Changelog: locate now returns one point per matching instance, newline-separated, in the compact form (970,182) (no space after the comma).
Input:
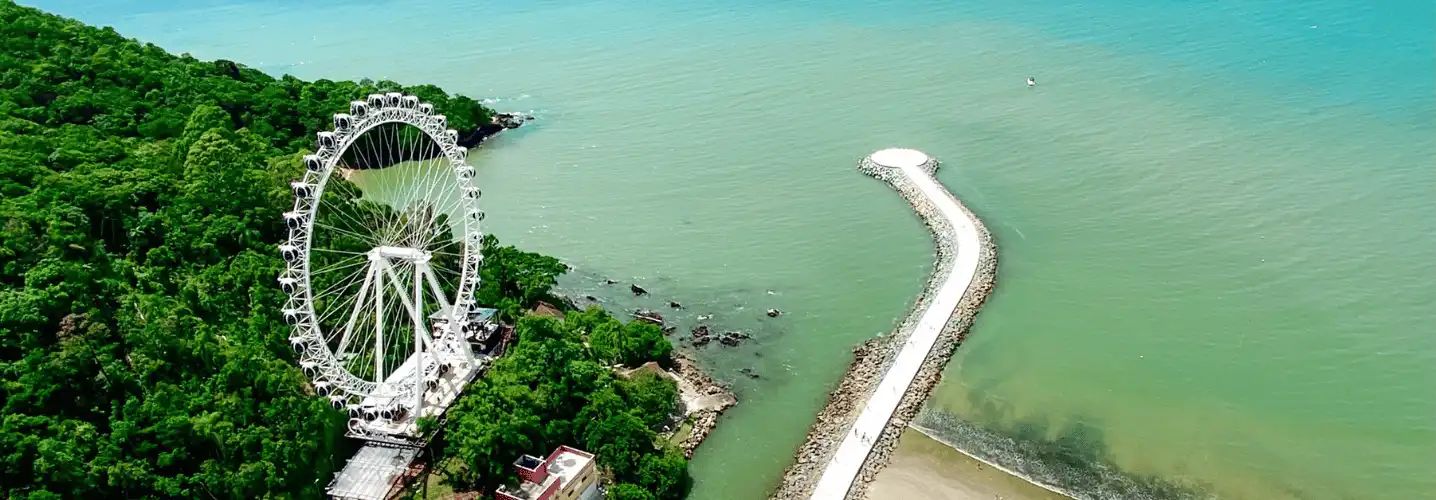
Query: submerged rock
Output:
(648,316)
(511,119)
(732,338)
(773,313)
(675,304)
(637,290)
(701,335)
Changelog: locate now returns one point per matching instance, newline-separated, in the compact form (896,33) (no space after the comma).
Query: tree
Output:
(513,276)
(607,342)
(665,474)
(619,440)
(555,384)
(628,491)
(632,344)
(644,342)
(653,397)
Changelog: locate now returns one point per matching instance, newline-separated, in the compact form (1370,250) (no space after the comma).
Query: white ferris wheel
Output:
(381,281)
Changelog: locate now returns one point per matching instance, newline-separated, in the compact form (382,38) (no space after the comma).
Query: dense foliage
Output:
(550,389)
(142,353)
(513,280)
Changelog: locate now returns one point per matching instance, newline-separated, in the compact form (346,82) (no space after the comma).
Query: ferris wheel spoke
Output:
(452,242)
(341,264)
(430,179)
(414,310)
(392,138)
(350,219)
(356,307)
(344,304)
(430,175)
(395,328)
(356,357)
(435,232)
(333,310)
(366,239)
(437,290)
(333,251)
(365,153)
(336,287)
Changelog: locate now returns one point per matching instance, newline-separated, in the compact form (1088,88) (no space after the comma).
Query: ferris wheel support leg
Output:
(453,323)
(358,307)
(438,291)
(419,332)
(379,319)
(413,313)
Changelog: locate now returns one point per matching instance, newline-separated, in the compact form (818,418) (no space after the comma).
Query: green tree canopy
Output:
(629,491)
(142,352)
(514,280)
(557,386)
(632,344)
(654,396)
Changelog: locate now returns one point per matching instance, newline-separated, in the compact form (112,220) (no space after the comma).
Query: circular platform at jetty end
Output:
(899,157)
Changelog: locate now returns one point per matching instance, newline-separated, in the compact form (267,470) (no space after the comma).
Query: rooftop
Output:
(529,462)
(568,463)
(564,465)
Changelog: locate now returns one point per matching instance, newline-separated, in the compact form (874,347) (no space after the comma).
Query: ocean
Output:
(1216,221)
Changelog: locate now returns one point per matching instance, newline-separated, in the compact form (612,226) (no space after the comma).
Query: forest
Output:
(142,349)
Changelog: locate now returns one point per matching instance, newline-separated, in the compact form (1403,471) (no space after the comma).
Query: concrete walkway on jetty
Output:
(838,476)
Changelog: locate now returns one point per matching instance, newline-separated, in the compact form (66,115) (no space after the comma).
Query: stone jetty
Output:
(891,376)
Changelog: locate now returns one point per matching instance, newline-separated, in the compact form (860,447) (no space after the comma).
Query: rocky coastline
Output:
(713,399)
(499,123)
(873,357)
(703,398)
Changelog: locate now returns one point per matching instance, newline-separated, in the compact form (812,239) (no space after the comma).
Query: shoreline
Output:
(873,358)
(501,121)
(927,468)
(701,400)
(929,434)
(719,399)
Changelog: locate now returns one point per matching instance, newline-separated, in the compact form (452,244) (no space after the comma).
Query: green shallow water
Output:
(1216,225)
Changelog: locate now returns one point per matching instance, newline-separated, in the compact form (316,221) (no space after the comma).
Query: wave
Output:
(1074,464)
(496,100)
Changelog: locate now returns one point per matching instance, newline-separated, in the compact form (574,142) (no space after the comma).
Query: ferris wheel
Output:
(383,262)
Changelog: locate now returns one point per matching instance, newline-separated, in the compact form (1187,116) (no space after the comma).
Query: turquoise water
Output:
(1216,220)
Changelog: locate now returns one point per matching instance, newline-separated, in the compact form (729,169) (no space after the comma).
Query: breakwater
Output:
(890,377)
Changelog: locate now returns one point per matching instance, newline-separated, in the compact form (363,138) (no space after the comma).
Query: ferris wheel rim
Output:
(316,356)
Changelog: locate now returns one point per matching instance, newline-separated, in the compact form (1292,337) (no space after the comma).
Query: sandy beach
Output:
(924,469)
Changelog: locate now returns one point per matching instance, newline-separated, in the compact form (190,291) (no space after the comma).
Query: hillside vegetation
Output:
(142,352)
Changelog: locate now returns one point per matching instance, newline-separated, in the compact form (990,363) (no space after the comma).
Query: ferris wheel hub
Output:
(402,253)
